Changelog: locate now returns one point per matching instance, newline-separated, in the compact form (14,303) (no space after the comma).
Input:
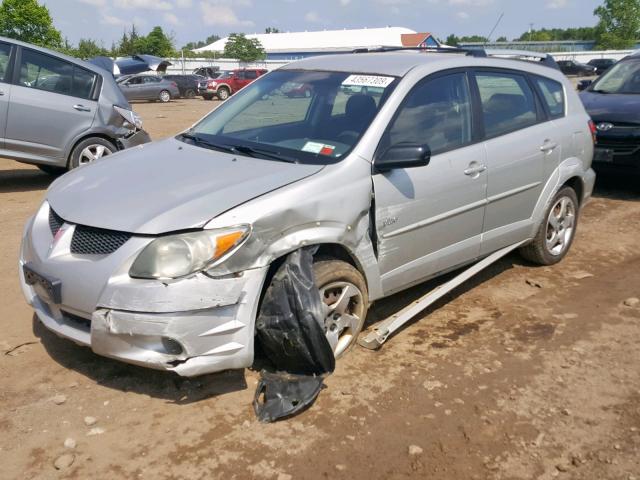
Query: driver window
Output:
(288,104)
(436,113)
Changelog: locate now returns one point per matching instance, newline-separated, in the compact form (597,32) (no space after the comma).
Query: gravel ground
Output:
(523,373)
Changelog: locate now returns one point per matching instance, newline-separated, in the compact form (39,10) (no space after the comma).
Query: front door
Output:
(51,104)
(429,219)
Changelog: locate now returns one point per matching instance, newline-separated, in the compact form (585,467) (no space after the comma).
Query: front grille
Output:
(619,148)
(97,241)
(55,222)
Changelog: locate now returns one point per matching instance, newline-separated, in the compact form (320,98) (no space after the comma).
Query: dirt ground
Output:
(523,373)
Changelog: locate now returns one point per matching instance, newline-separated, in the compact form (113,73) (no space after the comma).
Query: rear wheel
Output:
(557,230)
(223,93)
(190,93)
(344,293)
(89,150)
(165,96)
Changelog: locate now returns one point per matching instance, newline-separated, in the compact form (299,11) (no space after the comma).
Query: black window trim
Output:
(541,114)
(8,74)
(476,136)
(95,89)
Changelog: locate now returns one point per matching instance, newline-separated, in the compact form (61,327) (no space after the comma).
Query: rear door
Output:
(53,102)
(429,218)
(5,87)
(518,140)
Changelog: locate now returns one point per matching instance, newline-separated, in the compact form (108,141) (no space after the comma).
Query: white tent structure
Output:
(291,45)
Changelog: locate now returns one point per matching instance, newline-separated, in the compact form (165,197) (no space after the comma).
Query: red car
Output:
(230,82)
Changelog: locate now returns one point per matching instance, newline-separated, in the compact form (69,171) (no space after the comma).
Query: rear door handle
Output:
(82,108)
(548,146)
(475,170)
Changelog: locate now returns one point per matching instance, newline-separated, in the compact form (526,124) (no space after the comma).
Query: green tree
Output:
(244,49)
(201,43)
(29,21)
(619,24)
(88,48)
(271,30)
(156,43)
(452,40)
(502,39)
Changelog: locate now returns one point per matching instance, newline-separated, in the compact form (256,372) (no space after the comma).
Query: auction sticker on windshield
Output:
(321,148)
(367,81)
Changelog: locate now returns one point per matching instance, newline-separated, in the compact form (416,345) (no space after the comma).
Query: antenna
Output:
(494,28)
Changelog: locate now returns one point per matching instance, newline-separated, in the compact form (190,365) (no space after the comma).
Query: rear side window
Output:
(508,103)
(51,74)
(251,74)
(437,113)
(5,52)
(553,95)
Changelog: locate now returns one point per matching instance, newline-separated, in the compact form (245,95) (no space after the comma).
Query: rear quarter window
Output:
(552,95)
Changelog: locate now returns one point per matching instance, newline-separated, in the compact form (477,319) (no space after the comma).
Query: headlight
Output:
(175,256)
(131,117)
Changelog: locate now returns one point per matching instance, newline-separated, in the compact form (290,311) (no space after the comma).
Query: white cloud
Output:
(218,14)
(555,4)
(471,3)
(344,3)
(171,19)
(95,3)
(150,4)
(183,3)
(107,19)
(312,17)
(462,15)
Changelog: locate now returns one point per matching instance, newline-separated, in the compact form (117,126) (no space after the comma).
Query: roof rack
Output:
(542,58)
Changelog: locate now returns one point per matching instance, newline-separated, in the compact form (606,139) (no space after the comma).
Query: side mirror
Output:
(584,84)
(403,155)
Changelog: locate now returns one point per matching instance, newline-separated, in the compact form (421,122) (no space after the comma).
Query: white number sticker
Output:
(367,81)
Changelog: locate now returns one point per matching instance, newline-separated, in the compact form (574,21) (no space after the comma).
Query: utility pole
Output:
(530,31)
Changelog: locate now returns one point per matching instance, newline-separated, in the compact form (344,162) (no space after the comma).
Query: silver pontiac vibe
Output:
(399,166)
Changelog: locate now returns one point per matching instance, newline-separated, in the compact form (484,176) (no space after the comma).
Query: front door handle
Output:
(475,169)
(82,108)
(548,146)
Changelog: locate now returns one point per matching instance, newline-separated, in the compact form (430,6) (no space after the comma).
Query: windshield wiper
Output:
(252,152)
(206,143)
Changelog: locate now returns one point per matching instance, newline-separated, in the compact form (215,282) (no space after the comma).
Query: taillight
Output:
(593,129)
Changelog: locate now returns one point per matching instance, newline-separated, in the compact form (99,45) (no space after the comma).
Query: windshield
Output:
(623,77)
(302,116)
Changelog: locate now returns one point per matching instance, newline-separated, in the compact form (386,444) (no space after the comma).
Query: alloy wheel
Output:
(92,153)
(343,312)
(560,226)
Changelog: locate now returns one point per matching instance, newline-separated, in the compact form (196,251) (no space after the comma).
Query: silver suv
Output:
(446,159)
(60,112)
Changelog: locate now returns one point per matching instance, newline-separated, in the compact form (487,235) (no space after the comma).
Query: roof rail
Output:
(543,58)
(472,52)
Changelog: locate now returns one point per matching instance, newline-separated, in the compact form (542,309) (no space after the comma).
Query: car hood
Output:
(166,186)
(612,107)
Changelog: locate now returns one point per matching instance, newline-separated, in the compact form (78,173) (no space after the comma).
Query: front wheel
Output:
(344,293)
(207,96)
(223,94)
(165,96)
(557,230)
(190,93)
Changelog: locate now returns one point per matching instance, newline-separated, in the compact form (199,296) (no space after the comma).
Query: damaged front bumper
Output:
(191,326)
(139,137)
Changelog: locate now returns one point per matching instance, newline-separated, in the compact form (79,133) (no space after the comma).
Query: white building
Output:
(293,45)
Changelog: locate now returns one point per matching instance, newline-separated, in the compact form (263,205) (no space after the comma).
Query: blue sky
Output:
(196,19)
